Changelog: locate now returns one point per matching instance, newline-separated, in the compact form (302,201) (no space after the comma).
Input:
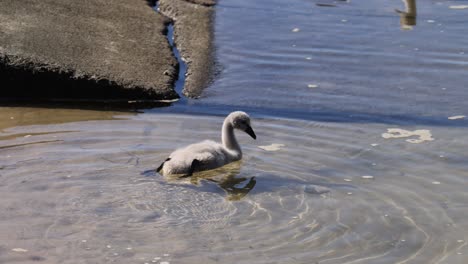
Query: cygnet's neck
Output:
(229,139)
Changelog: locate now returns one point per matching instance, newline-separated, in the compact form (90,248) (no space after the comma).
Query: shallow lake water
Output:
(360,155)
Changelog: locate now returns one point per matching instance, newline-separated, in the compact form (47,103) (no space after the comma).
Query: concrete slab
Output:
(193,34)
(84,50)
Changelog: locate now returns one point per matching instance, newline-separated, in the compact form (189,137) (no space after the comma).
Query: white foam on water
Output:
(456,117)
(458,7)
(272,147)
(423,135)
(19,250)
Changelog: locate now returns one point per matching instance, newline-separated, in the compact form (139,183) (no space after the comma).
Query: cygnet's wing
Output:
(210,154)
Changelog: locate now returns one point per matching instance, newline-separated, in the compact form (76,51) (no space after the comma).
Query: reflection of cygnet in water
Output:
(408,17)
(234,192)
(225,178)
(208,154)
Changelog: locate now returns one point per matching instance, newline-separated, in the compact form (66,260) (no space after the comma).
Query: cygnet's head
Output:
(241,120)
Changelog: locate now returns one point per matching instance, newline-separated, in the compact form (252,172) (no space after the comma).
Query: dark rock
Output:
(84,50)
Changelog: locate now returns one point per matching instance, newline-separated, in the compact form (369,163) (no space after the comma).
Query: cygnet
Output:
(207,155)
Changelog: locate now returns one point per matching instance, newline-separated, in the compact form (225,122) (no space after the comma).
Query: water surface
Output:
(360,156)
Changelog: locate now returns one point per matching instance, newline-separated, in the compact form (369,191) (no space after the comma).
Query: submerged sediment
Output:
(98,51)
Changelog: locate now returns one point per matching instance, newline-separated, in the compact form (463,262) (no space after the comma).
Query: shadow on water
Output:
(98,105)
(337,116)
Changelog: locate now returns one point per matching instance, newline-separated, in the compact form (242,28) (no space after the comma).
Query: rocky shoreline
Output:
(57,50)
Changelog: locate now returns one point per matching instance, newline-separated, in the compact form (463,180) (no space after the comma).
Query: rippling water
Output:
(89,194)
(356,159)
(356,54)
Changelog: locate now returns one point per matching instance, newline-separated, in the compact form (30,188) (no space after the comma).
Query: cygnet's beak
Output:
(251,133)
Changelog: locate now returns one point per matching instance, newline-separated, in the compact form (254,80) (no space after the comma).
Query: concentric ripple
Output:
(92,195)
